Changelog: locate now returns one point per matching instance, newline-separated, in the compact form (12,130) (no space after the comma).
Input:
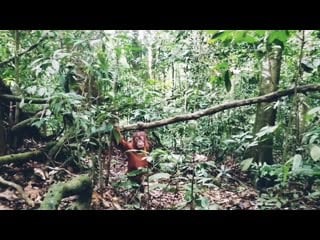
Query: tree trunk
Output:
(266,114)
(3,145)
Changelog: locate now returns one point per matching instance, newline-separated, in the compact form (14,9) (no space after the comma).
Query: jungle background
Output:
(232,116)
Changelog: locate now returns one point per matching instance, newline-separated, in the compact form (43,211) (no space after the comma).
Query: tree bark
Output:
(266,114)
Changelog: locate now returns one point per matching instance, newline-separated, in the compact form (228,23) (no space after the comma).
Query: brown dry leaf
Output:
(245,205)
(96,198)
(32,192)
(115,203)
(8,195)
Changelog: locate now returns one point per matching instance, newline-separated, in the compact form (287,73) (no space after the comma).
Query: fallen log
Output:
(22,157)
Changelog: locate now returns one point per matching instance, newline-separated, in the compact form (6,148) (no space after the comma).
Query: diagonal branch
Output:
(233,104)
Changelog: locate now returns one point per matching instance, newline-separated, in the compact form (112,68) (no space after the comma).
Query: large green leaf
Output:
(296,163)
(245,164)
(266,130)
(313,110)
(315,152)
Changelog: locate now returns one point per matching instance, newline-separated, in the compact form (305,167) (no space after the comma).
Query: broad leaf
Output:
(160,186)
(266,130)
(55,65)
(158,176)
(315,152)
(245,164)
(296,163)
(313,110)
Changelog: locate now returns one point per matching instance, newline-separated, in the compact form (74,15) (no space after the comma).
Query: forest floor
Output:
(35,178)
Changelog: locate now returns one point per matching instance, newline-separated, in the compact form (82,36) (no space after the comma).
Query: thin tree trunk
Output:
(266,114)
(17,111)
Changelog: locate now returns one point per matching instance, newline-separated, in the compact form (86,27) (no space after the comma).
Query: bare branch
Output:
(233,104)
(26,99)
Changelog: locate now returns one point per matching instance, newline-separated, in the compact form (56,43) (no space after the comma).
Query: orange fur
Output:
(136,155)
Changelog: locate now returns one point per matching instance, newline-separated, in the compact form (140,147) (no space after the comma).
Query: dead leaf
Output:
(42,174)
(32,192)
(8,195)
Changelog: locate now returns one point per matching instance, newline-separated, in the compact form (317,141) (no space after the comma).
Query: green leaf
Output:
(297,163)
(315,152)
(102,57)
(31,90)
(22,103)
(211,31)
(203,202)
(158,176)
(260,33)
(313,110)
(41,91)
(160,186)
(281,36)
(213,79)
(229,141)
(266,130)
(243,36)
(116,135)
(313,138)
(55,65)
(245,164)
(314,195)
(137,172)
(218,34)
(227,81)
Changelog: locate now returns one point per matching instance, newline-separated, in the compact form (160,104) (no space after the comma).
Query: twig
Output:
(19,189)
(61,169)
